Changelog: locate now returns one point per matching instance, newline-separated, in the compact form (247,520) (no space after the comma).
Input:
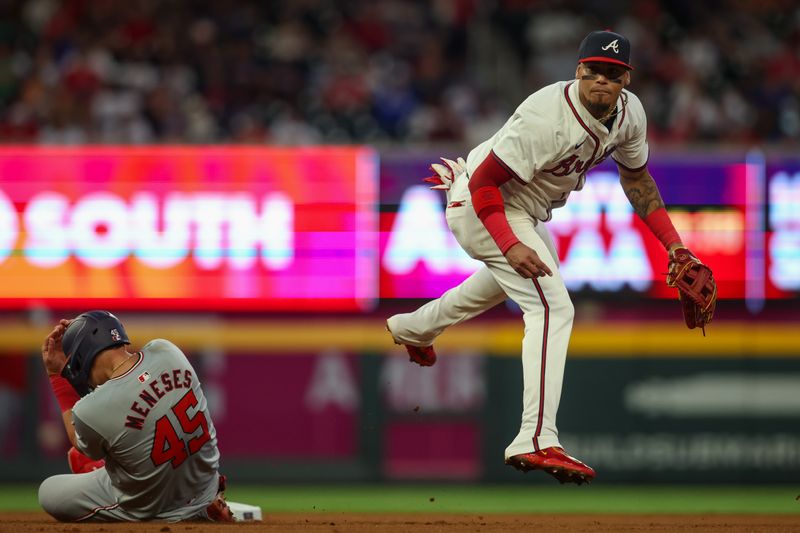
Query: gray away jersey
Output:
(152,427)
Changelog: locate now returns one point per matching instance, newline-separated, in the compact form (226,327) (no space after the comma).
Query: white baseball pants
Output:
(547,312)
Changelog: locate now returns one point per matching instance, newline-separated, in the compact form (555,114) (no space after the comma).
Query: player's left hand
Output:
(697,289)
(53,355)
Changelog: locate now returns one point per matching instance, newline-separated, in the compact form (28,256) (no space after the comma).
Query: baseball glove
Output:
(697,289)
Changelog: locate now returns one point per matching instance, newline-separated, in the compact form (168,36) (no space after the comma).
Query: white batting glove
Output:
(446,173)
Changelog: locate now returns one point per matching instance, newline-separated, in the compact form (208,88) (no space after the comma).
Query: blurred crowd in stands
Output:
(380,71)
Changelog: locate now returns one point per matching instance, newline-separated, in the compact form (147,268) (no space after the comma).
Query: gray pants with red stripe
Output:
(547,312)
(91,497)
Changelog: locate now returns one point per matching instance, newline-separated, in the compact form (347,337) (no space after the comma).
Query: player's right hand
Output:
(526,262)
(53,355)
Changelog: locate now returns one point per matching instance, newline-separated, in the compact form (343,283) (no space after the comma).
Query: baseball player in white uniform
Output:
(144,445)
(497,203)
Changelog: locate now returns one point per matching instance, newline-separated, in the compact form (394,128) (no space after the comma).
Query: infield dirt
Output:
(444,523)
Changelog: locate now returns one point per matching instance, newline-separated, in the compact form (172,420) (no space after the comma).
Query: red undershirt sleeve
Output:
(660,224)
(65,394)
(484,188)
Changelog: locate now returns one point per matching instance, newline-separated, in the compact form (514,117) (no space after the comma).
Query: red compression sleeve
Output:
(660,224)
(488,202)
(65,394)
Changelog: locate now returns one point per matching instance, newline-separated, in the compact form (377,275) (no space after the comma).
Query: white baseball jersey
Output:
(551,141)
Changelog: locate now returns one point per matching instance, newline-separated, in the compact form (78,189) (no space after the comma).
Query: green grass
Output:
(490,498)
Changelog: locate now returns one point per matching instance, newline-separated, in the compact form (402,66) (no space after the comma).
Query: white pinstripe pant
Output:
(547,312)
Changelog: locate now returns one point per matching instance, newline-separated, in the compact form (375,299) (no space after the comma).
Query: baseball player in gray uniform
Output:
(139,425)
(497,203)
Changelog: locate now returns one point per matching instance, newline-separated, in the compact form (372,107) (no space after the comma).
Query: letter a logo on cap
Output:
(605,47)
(613,45)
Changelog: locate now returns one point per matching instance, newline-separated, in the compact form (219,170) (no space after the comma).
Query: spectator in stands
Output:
(376,71)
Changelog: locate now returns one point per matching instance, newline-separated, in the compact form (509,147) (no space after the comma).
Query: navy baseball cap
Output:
(605,47)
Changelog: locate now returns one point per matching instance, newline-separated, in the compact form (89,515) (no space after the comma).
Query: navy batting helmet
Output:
(87,336)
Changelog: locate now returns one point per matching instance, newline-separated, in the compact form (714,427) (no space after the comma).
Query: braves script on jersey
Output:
(153,428)
(549,144)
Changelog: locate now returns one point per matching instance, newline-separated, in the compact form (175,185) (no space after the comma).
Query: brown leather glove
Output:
(697,289)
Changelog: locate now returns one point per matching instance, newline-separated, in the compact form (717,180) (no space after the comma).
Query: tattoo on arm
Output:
(643,194)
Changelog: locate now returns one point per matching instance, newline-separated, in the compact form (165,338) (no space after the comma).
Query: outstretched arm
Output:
(641,190)
(642,193)
(695,282)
